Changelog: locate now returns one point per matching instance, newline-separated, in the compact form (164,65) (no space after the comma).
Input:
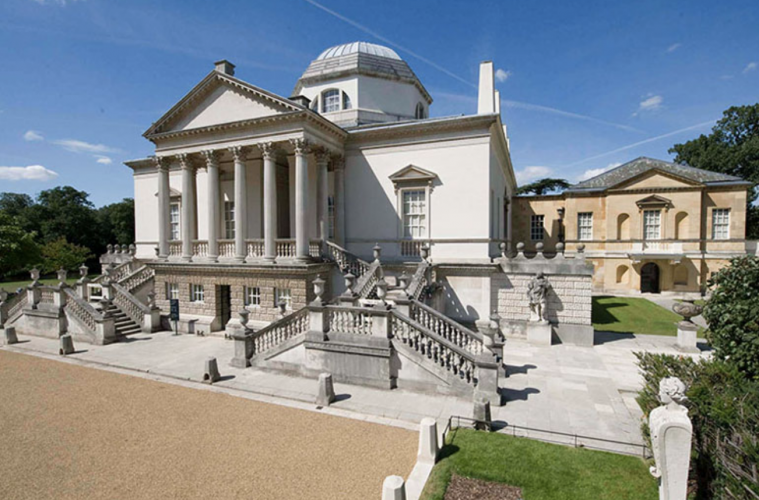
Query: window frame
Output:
(197,290)
(229,223)
(646,226)
(722,225)
(588,216)
(252,297)
(172,291)
(175,223)
(419,111)
(288,297)
(422,215)
(330,98)
(537,227)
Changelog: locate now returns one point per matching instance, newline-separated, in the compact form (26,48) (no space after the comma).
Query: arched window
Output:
(330,101)
(346,101)
(419,112)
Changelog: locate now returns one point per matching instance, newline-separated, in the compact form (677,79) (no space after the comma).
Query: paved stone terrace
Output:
(575,390)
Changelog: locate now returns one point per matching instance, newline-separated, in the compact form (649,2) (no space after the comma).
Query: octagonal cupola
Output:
(362,83)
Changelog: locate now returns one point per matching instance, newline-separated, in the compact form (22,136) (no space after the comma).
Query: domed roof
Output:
(361,48)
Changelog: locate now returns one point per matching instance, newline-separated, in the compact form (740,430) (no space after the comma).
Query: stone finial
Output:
(35,274)
(377,251)
(520,249)
(211,372)
(125,248)
(244,317)
(502,246)
(403,280)
(61,273)
(117,248)
(319,287)
(428,446)
(672,391)
(109,248)
(539,248)
(424,252)
(132,249)
(326,394)
(581,248)
(393,488)
(83,271)
(67,345)
(350,280)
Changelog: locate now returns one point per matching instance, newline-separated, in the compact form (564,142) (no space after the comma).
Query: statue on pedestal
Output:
(536,293)
(671,435)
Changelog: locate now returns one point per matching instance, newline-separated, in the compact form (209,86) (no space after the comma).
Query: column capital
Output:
(338,162)
(268,149)
(211,156)
(186,161)
(161,163)
(238,153)
(322,155)
(301,146)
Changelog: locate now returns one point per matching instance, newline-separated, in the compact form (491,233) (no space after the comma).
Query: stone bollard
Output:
(67,345)
(428,447)
(8,336)
(326,390)
(393,488)
(211,373)
(481,415)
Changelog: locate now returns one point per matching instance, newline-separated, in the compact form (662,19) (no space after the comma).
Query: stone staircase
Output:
(123,324)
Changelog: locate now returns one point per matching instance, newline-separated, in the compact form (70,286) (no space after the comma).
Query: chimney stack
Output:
(225,67)
(486,95)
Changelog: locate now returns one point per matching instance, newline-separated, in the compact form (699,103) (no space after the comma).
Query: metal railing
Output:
(554,437)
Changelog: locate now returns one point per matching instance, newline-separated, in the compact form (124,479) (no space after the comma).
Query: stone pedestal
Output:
(539,333)
(67,345)
(393,488)
(8,336)
(487,385)
(482,415)
(243,346)
(428,446)
(687,334)
(211,372)
(326,390)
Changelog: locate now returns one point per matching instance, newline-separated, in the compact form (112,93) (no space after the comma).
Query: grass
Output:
(544,471)
(634,315)
(11,286)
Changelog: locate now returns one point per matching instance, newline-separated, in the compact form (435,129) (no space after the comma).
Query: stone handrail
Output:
(138,278)
(14,306)
(455,333)
(346,261)
(350,319)
(129,304)
(452,358)
(367,282)
(278,332)
(118,272)
(418,281)
(82,310)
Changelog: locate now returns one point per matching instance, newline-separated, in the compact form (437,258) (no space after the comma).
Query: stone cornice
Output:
(245,269)
(421,128)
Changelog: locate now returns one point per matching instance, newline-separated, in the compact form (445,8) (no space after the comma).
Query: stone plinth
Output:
(326,394)
(393,488)
(687,334)
(481,415)
(211,372)
(539,333)
(67,345)
(8,336)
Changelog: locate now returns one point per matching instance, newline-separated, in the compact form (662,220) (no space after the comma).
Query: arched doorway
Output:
(649,278)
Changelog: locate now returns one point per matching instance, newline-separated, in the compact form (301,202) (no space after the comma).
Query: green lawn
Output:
(633,315)
(11,286)
(544,471)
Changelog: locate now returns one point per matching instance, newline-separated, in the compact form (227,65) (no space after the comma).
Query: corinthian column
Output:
(301,147)
(212,166)
(339,163)
(188,205)
(268,152)
(322,192)
(164,207)
(241,203)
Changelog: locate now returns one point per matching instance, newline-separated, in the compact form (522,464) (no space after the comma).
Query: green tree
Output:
(732,148)
(18,251)
(732,313)
(543,186)
(18,206)
(64,212)
(60,254)
(116,222)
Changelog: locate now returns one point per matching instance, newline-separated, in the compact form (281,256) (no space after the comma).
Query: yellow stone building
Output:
(647,226)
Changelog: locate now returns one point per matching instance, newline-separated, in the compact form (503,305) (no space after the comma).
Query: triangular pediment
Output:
(412,173)
(654,201)
(656,178)
(220,99)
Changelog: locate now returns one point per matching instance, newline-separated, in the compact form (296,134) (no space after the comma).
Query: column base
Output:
(186,258)
(239,260)
(270,260)
(213,258)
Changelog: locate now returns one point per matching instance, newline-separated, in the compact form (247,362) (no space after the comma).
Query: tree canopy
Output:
(543,186)
(731,148)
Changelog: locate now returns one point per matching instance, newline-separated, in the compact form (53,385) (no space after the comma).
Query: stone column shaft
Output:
(188,206)
(340,201)
(301,198)
(270,201)
(241,203)
(212,166)
(164,207)
(322,195)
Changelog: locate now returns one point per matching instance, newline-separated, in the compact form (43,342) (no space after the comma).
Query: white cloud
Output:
(650,103)
(77,146)
(103,160)
(529,174)
(33,135)
(502,75)
(750,67)
(592,172)
(674,47)
(30,173)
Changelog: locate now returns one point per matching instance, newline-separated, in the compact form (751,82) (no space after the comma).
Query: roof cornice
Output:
(421,128)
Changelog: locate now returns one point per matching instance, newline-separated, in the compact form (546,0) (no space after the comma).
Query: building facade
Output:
(648,226)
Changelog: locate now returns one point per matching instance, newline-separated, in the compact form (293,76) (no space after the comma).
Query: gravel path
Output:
(72,432)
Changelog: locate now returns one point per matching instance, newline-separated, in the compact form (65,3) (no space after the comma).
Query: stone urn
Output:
(687,309)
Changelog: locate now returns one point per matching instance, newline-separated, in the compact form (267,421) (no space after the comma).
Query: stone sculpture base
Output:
(539,333)
(8,336)
(687,334)
(326,394)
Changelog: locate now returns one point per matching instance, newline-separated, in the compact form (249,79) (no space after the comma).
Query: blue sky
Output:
(585,85)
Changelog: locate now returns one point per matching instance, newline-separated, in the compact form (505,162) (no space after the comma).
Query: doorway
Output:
(649,278)
(225,304)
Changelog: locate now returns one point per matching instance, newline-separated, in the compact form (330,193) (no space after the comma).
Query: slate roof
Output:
(642,165)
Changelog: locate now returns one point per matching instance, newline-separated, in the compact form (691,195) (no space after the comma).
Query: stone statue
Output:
(536,293)
(671,435)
